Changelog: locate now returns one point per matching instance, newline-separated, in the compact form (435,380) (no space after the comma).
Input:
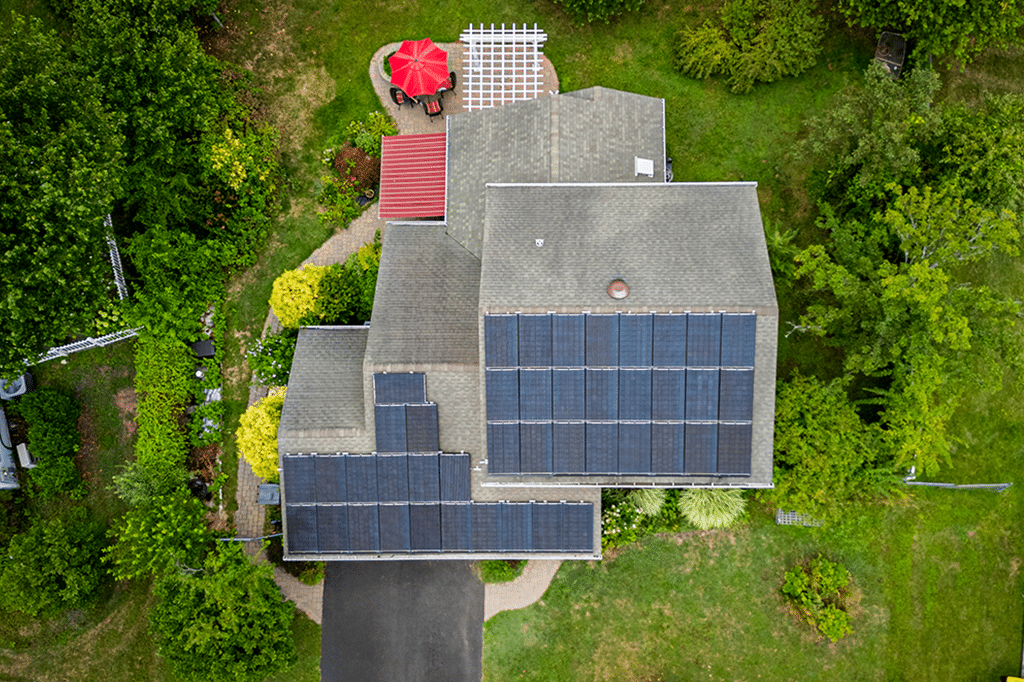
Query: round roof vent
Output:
(618,289)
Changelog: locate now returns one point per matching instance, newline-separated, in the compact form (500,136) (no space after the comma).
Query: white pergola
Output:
(502,65)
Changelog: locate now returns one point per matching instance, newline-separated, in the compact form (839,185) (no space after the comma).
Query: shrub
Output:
(706,508)
(294,294)
(367,133)
(648,500)
(53,439)
(623,522)
(257,435)
(142,485)
(820,591)
(270,358)
(599,10)
(312,572)
(347,291)
(501,571)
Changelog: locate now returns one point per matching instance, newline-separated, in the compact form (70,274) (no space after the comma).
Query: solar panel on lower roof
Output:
(567,347)
(577,528)
(390,427)
(302,532)
(636,340)
(669,340)
(534,340)
(394,527)
(602,340)
(534,394)
(634,394)
(568,445)
(602,448)
(739,334)
(734,441)
(332,528)
(736,395)
(393,478)
(501,341)
(700,446)
(454,478)
(486,527)
(425,527)
(421,428)
(701,394)
(668,394)
(602,387)
(568,394)
(634,448)
(363,528)
(535,448)
(502,395)
(424,478)
(299,479)
(704,340)
(667,448)
(502,448)
(516,527)
(330,478)
(405,387)
(547,526)
(456,527)
(361,474)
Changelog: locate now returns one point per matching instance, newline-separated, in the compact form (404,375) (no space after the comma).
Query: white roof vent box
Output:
(643,166)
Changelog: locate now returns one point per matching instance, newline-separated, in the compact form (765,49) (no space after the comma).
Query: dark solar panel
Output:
(567,394)
(425,527)
(454,478)
(393,478)
(634,394)
(535,453)
(667,448)
(502,448)
(456,527)
(602,448)
(547,526)
(421,428)
(299,479)
(332,528)
(736,395)
(516,527)
(361,472)
(390,428)
(602,394)
(534,394)
(399,388)
(363,528)
(424,478)
(703,340)
(738,340)
(302,533)
(734,442)
(701,394)
(577,528)
(330,478)
(486,527)
(670,340)
(634,448)
(602,339)
(534,340)
(501,341)
(668,394)
(394,527)
(568,444)
(502,395)
(567,341)
(636,340)
(701,442)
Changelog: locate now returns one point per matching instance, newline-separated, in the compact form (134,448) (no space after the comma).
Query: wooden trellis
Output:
(502,65)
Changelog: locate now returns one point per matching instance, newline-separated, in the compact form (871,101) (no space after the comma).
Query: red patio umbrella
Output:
(418,67)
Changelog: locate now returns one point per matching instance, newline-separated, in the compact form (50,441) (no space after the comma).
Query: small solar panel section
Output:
(503,448)
(394,527)
(602,340)
(392,478)
(547,526)
(299,479)
(397,389)
(602,448)
(700,444)
(486,527)
(634,394)
(667,442)
(421,428)
(501,341)
(536,448)
(456,527)
(363,528)
(534,340)
(736,395)
(534,394)
(668,394)
(734,448)
(577,528)
(332,528)
(516,526)
(669,341)
(739,333)
(567,347)
(701,394)
(302,529)
(568,448)
(502,395)
(568,394)
(361,472)
(424,478)
(425,527)
(635,448)
(390,427)
(330,478)
(636,340)
(602,387)
(454,478)
(703,340)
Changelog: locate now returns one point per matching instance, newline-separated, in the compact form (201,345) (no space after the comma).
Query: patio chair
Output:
(433,108)
(400,98)
(448,84)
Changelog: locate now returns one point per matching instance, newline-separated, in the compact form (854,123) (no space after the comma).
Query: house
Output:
(571,322)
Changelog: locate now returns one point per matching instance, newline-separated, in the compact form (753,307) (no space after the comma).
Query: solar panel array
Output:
(657,394)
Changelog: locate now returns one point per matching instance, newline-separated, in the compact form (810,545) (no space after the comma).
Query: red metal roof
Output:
(412,176)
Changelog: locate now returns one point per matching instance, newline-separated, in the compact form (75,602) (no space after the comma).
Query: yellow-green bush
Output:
(257,435)
(295,292)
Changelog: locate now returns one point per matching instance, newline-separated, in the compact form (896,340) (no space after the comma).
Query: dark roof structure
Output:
(574,322)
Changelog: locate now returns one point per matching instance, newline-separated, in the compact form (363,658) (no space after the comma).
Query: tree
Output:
(257,435)
(226,621)
(54,565)
(61,155)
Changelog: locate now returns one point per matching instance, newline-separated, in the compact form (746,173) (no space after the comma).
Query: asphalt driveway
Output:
(401,621)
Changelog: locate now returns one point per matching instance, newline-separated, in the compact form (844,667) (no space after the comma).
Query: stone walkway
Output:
(521,592)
